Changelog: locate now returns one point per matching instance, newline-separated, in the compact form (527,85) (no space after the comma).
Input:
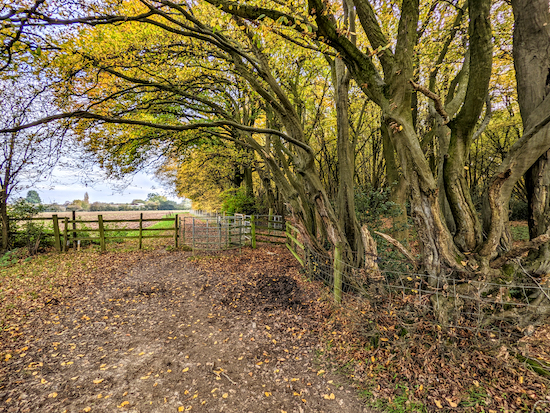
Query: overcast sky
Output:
(65,185)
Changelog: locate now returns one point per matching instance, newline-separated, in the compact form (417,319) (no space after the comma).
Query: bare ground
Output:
(168,333)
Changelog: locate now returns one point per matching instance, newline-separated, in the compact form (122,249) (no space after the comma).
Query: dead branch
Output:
(519,250)
(439,107)
(400,247)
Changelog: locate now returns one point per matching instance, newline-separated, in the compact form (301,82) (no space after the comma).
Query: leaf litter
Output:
(160,331)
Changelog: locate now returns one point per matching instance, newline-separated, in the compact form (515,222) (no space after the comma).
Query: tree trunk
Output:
(5,221)
(345,204)
(532,63)
(468,233)
(398,185)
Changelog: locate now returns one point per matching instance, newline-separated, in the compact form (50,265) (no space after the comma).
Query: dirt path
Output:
(168,334)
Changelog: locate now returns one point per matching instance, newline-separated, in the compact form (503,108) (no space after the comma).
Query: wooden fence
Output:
(70,231)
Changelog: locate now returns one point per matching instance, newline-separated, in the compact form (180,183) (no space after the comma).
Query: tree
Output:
(429,78)
(33,197)
(26,156)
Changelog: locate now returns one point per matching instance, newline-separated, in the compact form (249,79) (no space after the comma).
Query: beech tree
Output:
(165,68)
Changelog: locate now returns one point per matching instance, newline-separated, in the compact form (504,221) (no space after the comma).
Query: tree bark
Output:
(468,233)
(532,63)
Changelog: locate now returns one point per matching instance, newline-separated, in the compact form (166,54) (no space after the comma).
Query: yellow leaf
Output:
(225,395)
(144,377)
(180,409)
(451,403)
(438,404)
(141,354)
(43,381)
(267,394)
(98,381)
(185,369)
(320,372)
(520,379)
(124,403)
(372,359)
(52,395)
(330,396)
(87,409)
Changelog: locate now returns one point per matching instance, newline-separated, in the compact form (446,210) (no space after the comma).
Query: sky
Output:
(65,185)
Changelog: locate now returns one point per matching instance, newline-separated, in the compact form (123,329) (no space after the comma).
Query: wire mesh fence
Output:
(392,299)
(456,302)
(216,232)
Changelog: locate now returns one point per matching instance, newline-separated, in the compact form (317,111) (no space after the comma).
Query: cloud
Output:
(65,185)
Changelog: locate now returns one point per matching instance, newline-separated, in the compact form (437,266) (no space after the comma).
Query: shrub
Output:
(26,233)
(519,210)
(237,201)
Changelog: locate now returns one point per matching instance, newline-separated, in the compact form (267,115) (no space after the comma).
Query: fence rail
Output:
(70,231)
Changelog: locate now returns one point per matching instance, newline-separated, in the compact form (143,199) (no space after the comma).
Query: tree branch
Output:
(439,107)
(176,128)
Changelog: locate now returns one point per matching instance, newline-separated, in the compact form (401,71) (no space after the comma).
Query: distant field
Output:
(115,215)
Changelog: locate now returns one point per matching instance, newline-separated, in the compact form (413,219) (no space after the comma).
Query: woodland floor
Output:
(162,331)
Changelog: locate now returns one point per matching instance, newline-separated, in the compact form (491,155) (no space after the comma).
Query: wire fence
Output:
(457,302)
(212,231)
(391,299)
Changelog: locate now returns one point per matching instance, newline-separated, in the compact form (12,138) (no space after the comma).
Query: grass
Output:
(519,232)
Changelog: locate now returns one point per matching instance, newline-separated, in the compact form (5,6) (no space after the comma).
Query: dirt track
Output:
(168,334)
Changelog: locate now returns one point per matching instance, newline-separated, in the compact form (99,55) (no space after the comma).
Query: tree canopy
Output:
(310,103)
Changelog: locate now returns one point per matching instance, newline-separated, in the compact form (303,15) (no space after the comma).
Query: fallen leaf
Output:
(87,409)
(320,372)
(330,396)
(225,395)
(438,404)
(52,395)
(185,369)
(98,381)
(451,402)
(181,408)
(124,403)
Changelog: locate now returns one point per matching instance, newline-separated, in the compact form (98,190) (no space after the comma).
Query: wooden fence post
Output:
(74,228)
(253,231)
(229,232)
(338,271)
(56,233)
(141,230)
(176,228)
(193,234)
(183,229)
(101,232)
(65,233)
(269,218)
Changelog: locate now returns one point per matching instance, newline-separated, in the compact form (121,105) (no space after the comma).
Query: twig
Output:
(533,278)
(539,401)
(227,377)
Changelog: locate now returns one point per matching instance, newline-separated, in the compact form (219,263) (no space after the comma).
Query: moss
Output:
(507,272)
